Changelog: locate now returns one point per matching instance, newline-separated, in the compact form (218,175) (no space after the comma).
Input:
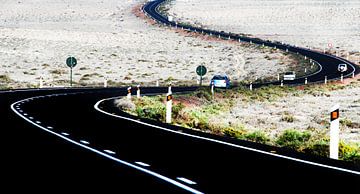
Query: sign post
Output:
(334,132)
(71,62)
(201,71)
(168,107)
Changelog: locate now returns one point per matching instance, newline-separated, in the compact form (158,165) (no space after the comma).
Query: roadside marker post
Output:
(353,75)
(287,50)
(157,83)
(251,86)
(342,78)
(306,81)
(129,93)
(305,69)
(278,77)
(325,79)
(105,82)
(212,89)
(169,89)
(334,132)
(138,91)
(41,82)
(282,83)
(168,107)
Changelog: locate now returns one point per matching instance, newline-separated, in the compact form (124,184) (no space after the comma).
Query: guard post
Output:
(334,132)
(168,107)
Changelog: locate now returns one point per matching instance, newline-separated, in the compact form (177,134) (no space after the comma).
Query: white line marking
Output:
(38,122)
(142,164)
(25,114)
(31,118)
(164,178)
(185,180)
(66,134)
(50,127)
(96,106)
(110,152)
(84,142)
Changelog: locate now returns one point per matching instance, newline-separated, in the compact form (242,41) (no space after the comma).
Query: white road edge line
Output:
(110,152)
(185,180)
(96,106)
(84,142)
(162,177)
(142,164)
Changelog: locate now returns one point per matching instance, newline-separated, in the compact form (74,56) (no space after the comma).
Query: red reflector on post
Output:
(334,115)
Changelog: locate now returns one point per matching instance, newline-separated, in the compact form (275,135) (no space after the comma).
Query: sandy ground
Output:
(309,111)
(308,23)
(109,41)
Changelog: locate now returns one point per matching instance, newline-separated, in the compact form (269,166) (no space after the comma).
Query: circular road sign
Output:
(330,45)
(201,70)
(71,62)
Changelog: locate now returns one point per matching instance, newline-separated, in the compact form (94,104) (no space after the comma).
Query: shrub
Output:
(293,139)
(346,122)
(320,148)
(176,110)
(258,137)
(349,152)
(287,117)
(125,104)
(232,132)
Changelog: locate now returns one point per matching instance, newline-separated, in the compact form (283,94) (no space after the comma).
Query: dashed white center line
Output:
(49,127)
(25,114)
(31,118)
(84,142)
(66,134)
(109,151)
(142,164)
(38,122)
(185,180)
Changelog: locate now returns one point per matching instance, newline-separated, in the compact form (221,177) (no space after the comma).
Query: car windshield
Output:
(219,77)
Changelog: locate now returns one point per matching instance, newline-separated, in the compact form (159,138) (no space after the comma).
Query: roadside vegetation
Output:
(198,110)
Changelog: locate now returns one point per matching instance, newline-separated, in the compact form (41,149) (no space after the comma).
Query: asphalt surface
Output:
(63,142)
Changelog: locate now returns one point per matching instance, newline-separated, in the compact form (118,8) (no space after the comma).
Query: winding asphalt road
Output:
(75,139)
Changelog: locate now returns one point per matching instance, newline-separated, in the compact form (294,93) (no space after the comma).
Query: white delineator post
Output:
(157,83)
(250,85)
(278,77)
(282,83)
(169,90)
(334,132)
(129,93)
(306,81)
(305,69)
(168,107)
(325,79)
(353,75)
(212,89)
(41,84)
(342,78)
(105,82)
(138,91)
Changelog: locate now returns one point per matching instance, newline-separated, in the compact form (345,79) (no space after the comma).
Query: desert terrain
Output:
(333,25)
(110,41)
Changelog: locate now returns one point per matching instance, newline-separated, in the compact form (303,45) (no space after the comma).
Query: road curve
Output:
(57,138)
(327,62)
